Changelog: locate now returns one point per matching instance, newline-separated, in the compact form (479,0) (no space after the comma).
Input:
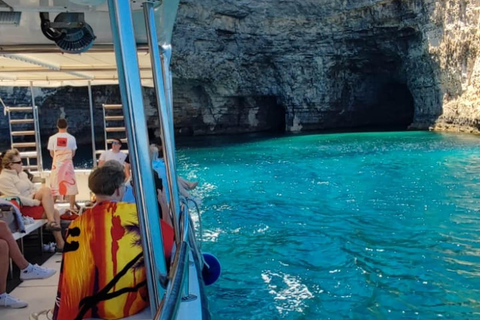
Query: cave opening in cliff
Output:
(382,103)
(275,114)
(395,106)
(374,92)
(377,96)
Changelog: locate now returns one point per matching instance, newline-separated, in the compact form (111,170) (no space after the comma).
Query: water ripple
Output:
(342,226)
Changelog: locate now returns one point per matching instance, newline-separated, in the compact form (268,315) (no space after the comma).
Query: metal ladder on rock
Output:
(25,135)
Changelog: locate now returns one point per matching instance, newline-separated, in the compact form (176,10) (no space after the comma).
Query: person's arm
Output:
(102,159)
(74,146)
(50,147)
(127,171)
(162,200)
(8,188)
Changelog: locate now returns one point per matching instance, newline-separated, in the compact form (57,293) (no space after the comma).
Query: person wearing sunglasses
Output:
(14,182)
(116,154)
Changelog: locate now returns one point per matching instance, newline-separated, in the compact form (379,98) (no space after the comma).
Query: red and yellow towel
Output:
(102,273)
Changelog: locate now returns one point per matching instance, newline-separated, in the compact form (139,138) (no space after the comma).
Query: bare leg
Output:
(57,234)
(162,200)
(188,185)
(73,204)
(45,196)
(3,266)
(183,191)
(52,214)
(59,239)
(13,249)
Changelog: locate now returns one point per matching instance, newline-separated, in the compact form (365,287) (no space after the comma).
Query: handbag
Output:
(8,215)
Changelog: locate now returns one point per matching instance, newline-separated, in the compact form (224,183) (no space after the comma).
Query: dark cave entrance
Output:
(376,99)
(375,93)
(395,107)
(275,116)
(270,116)
(385,104)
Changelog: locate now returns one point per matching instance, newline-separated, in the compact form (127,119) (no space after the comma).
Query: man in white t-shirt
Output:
(62,146)
(117,155)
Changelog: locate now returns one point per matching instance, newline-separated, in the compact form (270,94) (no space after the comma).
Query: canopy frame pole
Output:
(36,126)
(92,125)
(132,100)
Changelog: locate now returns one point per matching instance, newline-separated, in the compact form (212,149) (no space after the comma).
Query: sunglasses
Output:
(115,142)
(16,162)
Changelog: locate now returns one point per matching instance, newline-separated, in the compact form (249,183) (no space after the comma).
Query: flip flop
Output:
(52,226)
(42,315)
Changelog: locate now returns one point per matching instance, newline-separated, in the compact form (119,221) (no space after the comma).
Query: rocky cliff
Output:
(246,66)
(323,64)
(455,47)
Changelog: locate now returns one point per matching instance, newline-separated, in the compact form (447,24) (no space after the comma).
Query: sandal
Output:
(42,315)
(52,226)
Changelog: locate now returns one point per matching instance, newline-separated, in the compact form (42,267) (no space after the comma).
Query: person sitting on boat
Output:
(14,182)
(9,250)
(158,164)
(102,273)
(62,147)
(115,154)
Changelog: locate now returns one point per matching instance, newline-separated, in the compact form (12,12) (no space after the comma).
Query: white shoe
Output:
(26,220)
(36,272)
(8,301)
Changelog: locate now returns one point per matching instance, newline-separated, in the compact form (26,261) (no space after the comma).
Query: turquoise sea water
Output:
(341,226)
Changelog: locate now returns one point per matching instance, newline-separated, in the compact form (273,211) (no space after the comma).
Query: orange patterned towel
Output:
(102,273)
(62,179)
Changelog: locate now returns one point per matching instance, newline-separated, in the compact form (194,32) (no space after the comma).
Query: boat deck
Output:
(40,295)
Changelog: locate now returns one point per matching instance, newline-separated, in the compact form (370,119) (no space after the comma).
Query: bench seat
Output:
(29,228)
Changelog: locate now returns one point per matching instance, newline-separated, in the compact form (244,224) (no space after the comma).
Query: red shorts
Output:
(168,238)
(35,212)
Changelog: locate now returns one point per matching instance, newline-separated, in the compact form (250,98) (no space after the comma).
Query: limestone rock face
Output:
(325,64)
(456,50)
(273,65)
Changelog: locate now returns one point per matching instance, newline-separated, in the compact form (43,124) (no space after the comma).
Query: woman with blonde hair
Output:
(14,182)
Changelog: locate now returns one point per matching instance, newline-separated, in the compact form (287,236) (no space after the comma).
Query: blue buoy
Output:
(212,272)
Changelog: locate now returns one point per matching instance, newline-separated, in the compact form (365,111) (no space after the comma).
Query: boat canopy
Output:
(62,69)
(29,58)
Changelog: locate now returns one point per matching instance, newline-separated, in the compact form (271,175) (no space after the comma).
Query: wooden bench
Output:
(29,228)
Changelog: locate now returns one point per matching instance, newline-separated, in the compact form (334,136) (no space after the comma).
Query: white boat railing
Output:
(164,114)
(132,100)
(177,281)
